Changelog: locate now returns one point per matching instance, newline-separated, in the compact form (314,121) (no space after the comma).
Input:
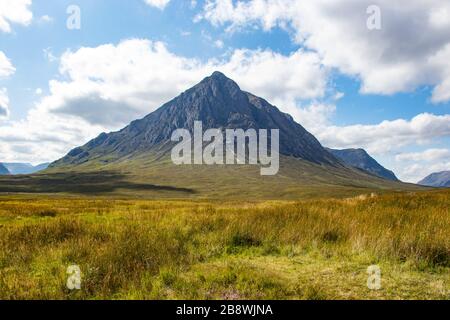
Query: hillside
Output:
(3,170)
(438,179)
(24,168)
(218,102)
(136,160)
(359,158)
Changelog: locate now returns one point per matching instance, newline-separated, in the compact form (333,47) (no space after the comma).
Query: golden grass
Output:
(139,249)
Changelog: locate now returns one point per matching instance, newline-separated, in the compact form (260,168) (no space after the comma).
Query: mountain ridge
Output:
(359,158)
(24,168)
(3,170)
(218,102)
(137,159)
(437,179)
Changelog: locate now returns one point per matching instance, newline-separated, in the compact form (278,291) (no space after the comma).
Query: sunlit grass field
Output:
(206,249)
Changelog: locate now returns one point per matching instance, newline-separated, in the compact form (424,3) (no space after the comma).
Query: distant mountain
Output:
(25,168)
(438,179)
(41,166)
(3,170)
(359,158)
(137,158)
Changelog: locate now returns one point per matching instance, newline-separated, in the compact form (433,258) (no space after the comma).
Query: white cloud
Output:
(6,67)
(112,79)
(45,19)
(123,82)
(315,117)
(280,79)
(14,12)
(106,87)
(219,44)
(160,4)
(414,166)
(384,139)
(387,135)
(41,137)
(4,103)
(338,96)
(410,50)
(6,70)
(441,61)
(416,172)
(429,155)
(440,16)
(48,54)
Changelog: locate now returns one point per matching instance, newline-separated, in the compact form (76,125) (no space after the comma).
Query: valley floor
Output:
(199,249)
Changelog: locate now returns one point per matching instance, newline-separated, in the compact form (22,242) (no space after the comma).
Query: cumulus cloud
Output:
(45,19)
(219,44)
(384,141)
(6,67)
(410,50)
(4,103)
(14,12)
(315,117)
(160,4)
(279,78)
(105,87)
(111,85)
(388,135)
(414,166)
(441,61)
(42,137)
(417,171)
(427,155)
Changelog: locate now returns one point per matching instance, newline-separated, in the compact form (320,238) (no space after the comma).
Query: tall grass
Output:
(131,248)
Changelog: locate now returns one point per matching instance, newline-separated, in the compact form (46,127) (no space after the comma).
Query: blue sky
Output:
(389,95)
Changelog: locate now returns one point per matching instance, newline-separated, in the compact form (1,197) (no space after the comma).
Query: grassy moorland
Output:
(206,249)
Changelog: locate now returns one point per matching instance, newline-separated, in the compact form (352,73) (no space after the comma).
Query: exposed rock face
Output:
(359,158)
(218,102)
(438,179)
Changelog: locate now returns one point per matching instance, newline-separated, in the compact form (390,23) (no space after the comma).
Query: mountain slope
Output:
(438,179)
(136,160)
(359,158)
(219,103)
(3,170)
(25,168)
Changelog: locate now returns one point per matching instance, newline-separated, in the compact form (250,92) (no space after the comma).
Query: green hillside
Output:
(154,176)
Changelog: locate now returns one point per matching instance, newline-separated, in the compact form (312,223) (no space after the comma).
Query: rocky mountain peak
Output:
(217,102)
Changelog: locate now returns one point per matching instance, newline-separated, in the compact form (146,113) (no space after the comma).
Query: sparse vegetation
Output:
(199,249)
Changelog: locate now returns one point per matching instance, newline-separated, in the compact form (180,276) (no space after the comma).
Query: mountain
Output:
(3,170)
(218,102)
(41,166)
(359,158)
(25,168)
(136,160)
(438,179)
